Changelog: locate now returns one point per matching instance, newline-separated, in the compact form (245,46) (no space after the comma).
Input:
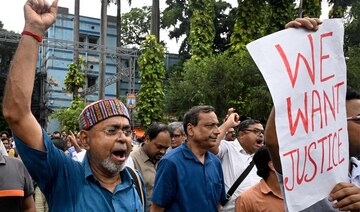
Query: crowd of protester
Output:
(196,164)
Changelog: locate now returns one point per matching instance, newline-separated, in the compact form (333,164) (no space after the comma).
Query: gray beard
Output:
(111,166)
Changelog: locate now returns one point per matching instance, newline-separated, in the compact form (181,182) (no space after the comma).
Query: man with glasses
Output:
(235,156)
(230,135)
(178,134)
(100,182)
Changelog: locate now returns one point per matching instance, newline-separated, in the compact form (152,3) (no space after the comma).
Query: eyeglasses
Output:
(177,135)
(354,118)
(257,132)
(112,131)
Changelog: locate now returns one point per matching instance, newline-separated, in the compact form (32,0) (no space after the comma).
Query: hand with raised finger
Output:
(347,196)
(308,23)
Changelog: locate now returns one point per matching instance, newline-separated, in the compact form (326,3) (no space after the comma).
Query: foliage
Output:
(176,19)
(281,12)
(75,78)
(223,81)
(135,26)
(312,8)
(251,23)
(68,117)
(353,67)
(352,46)
(202,32)
(352,28)
(152,74)
(339,7)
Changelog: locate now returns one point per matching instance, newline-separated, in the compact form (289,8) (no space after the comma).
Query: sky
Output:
(11,14)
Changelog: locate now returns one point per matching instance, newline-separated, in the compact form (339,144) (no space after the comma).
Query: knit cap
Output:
(101,110)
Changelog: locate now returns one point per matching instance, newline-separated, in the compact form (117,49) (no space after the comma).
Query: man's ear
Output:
(147,139)
(84,139)
(190,129)
(240,134)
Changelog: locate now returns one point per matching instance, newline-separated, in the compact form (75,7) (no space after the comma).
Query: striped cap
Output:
(101,110)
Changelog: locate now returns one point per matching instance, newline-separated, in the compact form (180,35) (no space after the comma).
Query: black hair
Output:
(351,93)
(246,123)
(261,160)
(4,139)
(192,115)
(155,128)
(4,132)
(59,143)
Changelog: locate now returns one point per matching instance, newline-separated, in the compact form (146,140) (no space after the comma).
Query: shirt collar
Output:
(188,154)
(265,189)
(86,165)
(2,159)
(143,156)
(239,147)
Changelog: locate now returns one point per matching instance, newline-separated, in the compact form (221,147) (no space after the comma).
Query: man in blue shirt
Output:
(190,178)
(100,183)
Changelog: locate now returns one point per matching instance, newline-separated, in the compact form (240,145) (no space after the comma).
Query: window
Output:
(91,80)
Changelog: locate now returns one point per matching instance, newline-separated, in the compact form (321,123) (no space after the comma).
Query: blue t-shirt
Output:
(70,186)
(183,183)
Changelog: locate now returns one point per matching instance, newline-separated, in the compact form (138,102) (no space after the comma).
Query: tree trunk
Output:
(118,45)
(155,19)
(102,62)
(76,40)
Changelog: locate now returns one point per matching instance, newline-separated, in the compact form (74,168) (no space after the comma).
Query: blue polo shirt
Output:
(183,183)
(71,186)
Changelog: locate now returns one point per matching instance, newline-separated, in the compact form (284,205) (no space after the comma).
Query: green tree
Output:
(176,19)
(74,80)
(281,11)
(252,22)
(312,8)
(339,7)
(224,80)
(352,46)
(135,26)
(68,117)
(202,31)
(152,74)
(75,77)
(352,27)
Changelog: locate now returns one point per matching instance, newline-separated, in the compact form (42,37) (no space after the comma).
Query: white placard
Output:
(306,75)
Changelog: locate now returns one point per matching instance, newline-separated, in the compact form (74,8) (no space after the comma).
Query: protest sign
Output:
(306,75)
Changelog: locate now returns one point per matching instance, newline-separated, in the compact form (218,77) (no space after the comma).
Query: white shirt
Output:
(234,161)
(79,156)
(3,149)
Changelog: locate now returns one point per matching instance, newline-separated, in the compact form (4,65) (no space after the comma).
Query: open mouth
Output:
(259,141)
(119,155)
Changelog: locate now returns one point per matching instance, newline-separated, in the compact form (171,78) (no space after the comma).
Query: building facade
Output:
(121,75)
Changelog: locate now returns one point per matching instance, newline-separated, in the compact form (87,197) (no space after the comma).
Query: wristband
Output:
(37,37)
